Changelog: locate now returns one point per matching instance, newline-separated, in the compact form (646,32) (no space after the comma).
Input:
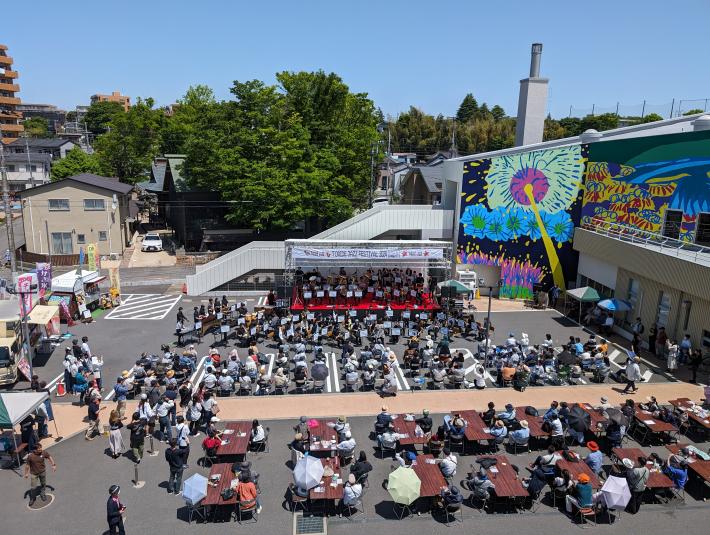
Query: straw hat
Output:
(328,472)
(170,373)
(124,374)
(499,423)
(524,423)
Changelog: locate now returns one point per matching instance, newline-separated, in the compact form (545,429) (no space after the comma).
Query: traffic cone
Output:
(184,287)
(61,391)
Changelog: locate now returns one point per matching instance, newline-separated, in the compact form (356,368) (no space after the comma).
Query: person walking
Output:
(182,435)
(162,411)
(633,374)
(115,439)
(37,468)
(114,512)
(120,392)
(137,427)
(93,413)
(174,457)
(696,358)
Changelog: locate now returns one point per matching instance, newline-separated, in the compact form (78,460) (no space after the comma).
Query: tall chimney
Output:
(532,102)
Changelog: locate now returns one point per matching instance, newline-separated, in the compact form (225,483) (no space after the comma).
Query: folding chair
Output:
(358,507)
(456,443)
(247,506)
(195,509)
(296,501)
(402,508)
(450,512)
(586,514)
(525,446)
(262,445)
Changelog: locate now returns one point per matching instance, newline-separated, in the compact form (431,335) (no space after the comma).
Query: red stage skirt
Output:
(366,302)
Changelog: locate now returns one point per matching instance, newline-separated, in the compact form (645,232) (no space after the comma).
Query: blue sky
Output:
(427,54)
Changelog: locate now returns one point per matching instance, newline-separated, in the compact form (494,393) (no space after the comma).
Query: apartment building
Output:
(115,96)
(10,117)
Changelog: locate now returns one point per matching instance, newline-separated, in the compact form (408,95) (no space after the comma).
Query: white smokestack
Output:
(532,102)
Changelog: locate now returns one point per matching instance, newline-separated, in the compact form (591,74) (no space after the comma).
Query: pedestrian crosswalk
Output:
(143,307)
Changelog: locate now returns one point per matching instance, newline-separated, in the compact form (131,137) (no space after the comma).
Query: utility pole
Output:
(29,161)
(8,211)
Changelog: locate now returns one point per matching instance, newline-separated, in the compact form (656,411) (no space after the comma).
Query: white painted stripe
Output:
(327,380)
(131,315)
(582,381)
(336,379)
(141,299)
(198,368)
(113,392)
(405,383)
(612,358)
(124,313)
(272,358)
(54,382)
(647,376)
(137,305)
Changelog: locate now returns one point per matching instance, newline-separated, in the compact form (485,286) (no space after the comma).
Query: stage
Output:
(366,302)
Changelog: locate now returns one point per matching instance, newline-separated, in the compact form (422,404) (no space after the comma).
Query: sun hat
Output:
(214,419)
(348,435)
(628,463)
(170,373)
(499,423)
(593,446)
(298,436)
(351,479)
(124,373)
(524,423)
(144,396)
(342,419)
(583,478)
(604,399)
(384,408)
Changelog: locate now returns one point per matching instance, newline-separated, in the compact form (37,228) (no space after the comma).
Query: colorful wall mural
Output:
(519,212)
(634,182)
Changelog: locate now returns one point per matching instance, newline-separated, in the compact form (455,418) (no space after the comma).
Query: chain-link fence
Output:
(672,108)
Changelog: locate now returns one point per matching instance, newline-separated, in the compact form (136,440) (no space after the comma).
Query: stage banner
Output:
(24,288)
(306,253)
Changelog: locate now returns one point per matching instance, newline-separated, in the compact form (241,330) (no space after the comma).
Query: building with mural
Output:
(588,211)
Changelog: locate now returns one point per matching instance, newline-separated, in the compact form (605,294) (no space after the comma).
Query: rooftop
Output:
(39,142)
(107,183)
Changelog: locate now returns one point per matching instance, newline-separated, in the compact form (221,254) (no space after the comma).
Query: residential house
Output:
(55,147)
(422,184)
(23,174)
(73,212)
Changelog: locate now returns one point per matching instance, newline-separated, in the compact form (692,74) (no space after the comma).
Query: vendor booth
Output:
(15,407)
(44,320)
(77,289)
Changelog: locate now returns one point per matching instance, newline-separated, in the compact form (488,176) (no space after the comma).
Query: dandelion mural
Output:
(474,220)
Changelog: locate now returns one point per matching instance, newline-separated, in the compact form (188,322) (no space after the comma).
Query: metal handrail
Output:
(687,250)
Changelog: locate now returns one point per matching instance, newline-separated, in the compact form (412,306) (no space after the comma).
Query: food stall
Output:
(10,340)
(78,290)
(44,320)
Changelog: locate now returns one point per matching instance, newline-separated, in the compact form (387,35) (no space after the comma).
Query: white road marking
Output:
(336,378)
(144,307)
(647,376)
(272,358)
(327,365)
(52,385)
(113,392)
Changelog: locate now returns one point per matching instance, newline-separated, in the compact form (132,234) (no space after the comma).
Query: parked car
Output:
(152,242)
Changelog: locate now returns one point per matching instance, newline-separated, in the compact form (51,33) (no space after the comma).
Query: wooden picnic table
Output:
(534,423)
(329,492)
(598,421)
(578,468)
(654,425)
(407,428)
(214,493)
(505,478)
(430,475)
(656,480)
(474,426)
(321,432)
(238,439)
(684,405)
(700,467)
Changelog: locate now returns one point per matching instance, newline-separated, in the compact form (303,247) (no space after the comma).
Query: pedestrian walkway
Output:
(144,307)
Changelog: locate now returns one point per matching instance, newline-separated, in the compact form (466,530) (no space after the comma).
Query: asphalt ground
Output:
(85,472)
(122,334)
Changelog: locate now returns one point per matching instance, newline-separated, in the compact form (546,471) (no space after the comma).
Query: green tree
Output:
(497,112)
(132,141)
(600,123)
(694,111)
(75,162)
(572,126)
(198,101)
(36,127)
(100,114)
(553,129)
(651,118)
(467,109)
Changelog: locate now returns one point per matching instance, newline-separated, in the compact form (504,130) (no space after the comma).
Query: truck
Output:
(10,341)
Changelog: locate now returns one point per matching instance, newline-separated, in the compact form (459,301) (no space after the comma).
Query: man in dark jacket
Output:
(114,512)
(425,422)
(174,457)
(137,428)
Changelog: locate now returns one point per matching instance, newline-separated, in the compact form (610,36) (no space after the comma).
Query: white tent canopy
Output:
(65,282)
(15,406)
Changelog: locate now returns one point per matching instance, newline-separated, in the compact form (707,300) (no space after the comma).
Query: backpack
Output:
(531,411)
(546,426)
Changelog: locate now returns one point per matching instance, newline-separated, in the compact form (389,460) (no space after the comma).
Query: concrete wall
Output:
(76,220)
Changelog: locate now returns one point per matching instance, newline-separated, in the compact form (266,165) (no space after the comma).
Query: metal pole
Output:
(49,242)
(29,161)
(643,109)
(26,332)
(8,211)
(488,319)
(372,174)
(672,106)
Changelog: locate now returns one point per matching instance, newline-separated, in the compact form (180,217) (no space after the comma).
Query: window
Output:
(604,291)
(94,204)
(664,309)
(61,243)
(33,168)
(11,168)
(634,297)
(58,205)
(103,235)
(80,238)
(671,227)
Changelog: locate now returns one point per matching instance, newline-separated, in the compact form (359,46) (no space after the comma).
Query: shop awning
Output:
(43,314)
(95,280)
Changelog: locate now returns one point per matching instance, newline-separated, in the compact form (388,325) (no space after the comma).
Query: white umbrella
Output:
(194,488)
(616,492)
(308,472)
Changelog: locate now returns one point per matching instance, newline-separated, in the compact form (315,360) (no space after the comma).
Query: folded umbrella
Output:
(308,472)
(404,485)
(565,357)
(578,419)
(616,492)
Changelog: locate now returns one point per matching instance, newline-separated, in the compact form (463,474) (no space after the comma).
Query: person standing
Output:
(120,392)
(85,349)
(115,439)
(114,512)
(554,295)
(637,479)
(696,358)
(137,428)
(41,415)
(633,374)
(174,457)
(162,411)
(36,467)
(97,362)
(182,435)
(93,414)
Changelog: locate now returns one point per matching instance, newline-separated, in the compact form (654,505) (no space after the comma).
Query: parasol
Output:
(404,486)
(308,472)
(194,489)
(616,492)
(565,357)
(578,419)
(319,372)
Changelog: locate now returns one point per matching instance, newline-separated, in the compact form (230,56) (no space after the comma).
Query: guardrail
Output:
(671,246)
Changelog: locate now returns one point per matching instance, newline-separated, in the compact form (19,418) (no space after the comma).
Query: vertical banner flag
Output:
(97,256)
(115,280)
(91,254)
(24,288)
(44,277)
(81,256)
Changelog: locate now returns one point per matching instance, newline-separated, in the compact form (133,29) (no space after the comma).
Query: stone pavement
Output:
(70,418)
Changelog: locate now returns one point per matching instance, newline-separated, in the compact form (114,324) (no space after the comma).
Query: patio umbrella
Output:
(404,485)
(616,492)
(194,489)
(319,372)
(565,357)
(578,419)
(454,285)
(308,472)
(614,305)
